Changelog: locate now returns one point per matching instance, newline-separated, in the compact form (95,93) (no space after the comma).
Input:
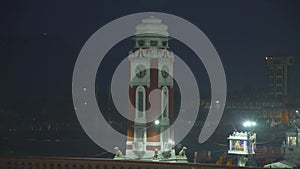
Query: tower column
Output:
(151,68)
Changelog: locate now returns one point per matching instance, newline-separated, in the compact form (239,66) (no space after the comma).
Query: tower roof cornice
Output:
(152,26)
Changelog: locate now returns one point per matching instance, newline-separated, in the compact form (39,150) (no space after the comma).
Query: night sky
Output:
(40,40)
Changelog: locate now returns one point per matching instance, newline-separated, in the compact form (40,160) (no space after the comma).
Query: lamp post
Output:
(239,143)
(250,146)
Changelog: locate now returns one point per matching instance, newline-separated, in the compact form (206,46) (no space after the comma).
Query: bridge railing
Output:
(268,152)
(97,163)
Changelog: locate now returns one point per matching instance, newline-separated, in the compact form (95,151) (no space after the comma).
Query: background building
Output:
(279,75)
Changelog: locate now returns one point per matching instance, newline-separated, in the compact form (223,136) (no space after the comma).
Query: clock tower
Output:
(149,135)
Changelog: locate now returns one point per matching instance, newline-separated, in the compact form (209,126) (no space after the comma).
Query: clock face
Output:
(165,72)
(140,71)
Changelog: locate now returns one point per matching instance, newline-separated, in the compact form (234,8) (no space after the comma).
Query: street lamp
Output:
(156,122)
(251,125)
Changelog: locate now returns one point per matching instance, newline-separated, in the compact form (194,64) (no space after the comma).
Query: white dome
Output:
(152,25)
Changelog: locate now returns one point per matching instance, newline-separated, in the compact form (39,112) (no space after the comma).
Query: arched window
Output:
(165,101)
(140,101)
(165,132)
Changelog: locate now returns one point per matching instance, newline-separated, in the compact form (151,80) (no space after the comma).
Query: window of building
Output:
(279,72)
(292,140)
(141,43)
(279,80)
(271,71)
(164,43)
(165,100)
(153,43)
(279,89)
(140,101)
(291,61)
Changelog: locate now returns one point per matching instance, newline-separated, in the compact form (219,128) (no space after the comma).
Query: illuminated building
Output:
(151,68)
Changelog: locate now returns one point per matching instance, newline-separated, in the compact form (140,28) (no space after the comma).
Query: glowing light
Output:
(156,122)
(249,124)
(171,141)
(268,58)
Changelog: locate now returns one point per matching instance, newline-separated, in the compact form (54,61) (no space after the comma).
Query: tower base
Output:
(160,158)
(151,151)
